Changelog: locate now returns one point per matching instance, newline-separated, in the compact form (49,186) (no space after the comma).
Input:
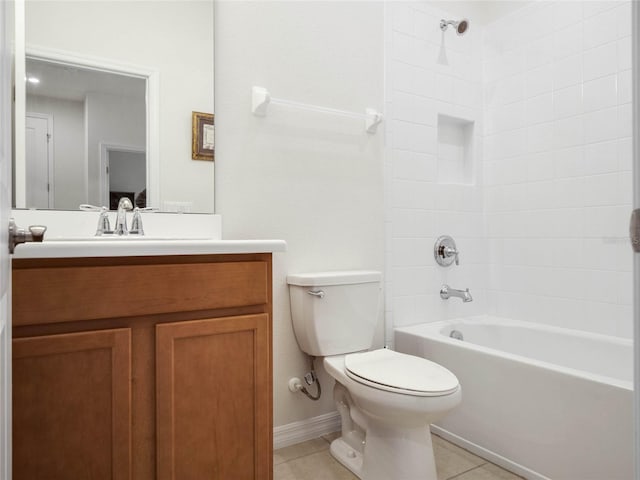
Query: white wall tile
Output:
(402,76)
(569,192)
(601,28)
(413,223)
(601,125)
(594,7)
(512,88)
(601,190)
(538,20)
(568,132)
(600,93)
(624,19)
(540,166)
(540,137)
(601,158)
(444,88)
(625,154)
(424,82)
(402,46)
(569,162)
(624,86)
(566,13)
(421,23)
(568,41)
(567,102)
(601,61)
(539,81)
(625,120)
(567,252)
(567,71)
(403,16)
(403,106)
(409,165)
(539,52)
(543,229)
(539,109)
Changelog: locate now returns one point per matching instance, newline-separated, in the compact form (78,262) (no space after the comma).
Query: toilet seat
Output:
(400,373)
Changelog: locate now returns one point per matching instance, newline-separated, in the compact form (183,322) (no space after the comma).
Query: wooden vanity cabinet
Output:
(142,368)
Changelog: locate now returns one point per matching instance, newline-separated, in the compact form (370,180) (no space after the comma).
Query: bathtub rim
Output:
(434,330)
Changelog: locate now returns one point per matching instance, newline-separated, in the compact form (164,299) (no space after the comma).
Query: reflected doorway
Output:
(124,174)
(39,160)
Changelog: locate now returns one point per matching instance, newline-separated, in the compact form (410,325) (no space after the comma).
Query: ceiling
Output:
(72,83)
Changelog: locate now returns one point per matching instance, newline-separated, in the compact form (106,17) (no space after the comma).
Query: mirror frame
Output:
(151,78)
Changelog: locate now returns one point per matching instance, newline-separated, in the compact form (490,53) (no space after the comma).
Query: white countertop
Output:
(130,247)
(71,234)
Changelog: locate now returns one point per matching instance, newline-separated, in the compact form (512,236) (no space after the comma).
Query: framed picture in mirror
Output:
(202,145)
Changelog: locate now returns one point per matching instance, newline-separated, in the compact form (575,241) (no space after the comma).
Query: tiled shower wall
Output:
(542,227)
(557,183)
(429,72)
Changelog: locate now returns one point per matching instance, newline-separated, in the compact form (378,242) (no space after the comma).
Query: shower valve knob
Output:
(445,251)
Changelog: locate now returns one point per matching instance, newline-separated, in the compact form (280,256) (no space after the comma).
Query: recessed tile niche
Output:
(455,150)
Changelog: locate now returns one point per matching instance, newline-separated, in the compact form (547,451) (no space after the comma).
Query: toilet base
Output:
(347,456)
(399,455)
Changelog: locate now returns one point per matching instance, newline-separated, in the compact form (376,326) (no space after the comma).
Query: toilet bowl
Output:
(386,399)
(397,443)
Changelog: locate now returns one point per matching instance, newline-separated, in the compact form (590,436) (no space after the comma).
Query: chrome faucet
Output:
(446,291)
(104,227)
(124,205)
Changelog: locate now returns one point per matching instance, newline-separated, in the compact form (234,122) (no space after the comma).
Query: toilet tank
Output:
(334,312)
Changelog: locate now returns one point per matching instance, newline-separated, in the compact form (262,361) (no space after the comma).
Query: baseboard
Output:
(304,430)
(488,455)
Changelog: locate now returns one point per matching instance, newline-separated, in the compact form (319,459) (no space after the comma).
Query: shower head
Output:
(461,26)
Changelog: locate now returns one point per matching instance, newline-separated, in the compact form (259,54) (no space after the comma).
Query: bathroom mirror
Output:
(108,96)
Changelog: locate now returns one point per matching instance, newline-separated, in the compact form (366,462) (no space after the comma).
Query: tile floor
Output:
(312,461)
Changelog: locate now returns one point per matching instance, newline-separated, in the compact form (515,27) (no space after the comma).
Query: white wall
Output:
(314,180)
(174,38)
(429,72)
(558,164)
(68,148)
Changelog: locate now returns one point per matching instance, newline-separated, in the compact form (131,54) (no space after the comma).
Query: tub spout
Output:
(446,291)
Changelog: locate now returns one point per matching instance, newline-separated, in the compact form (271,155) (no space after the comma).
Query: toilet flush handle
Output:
(316,293)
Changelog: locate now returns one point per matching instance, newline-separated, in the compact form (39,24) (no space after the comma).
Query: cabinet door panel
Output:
(214,399)
(72,406)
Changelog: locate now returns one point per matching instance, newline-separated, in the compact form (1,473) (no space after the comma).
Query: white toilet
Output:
(386,399)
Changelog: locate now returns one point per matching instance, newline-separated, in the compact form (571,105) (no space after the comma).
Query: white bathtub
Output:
(544,402)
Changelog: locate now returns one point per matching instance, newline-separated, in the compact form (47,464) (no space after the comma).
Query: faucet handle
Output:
(104,227)
(445,251)
(452,252)
(136,222)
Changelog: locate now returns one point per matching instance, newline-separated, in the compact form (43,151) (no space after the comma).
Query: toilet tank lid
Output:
(334,278)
